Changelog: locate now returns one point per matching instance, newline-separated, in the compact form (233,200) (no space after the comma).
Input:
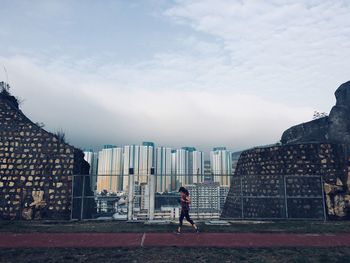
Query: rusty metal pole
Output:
(131,194)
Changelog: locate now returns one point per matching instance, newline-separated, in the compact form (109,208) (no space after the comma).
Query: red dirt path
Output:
(130,240)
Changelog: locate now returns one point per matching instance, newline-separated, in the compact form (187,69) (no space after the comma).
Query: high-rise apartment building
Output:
(221,165)
(197,166)
(163,169)
(92,158)
(180,168)
(138,159)
(207,197)
(223,194)
(187,166)
(208,176)
(110,169)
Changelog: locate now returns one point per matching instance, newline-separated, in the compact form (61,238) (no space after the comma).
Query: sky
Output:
(180,73)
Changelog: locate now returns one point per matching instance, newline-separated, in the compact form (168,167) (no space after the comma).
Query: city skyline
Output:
(151,176)
(207,152)
(113,167)
(171,148)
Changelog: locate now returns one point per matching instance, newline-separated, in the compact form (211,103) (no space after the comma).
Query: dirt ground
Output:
(176,255)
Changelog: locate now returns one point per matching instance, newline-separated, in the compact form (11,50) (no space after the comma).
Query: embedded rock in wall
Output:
(337,196)
(36,167)
(333,129)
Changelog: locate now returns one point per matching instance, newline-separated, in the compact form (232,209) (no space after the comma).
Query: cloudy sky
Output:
(180,73)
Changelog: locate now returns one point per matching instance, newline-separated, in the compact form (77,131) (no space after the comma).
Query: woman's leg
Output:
(188,218)
(181,218)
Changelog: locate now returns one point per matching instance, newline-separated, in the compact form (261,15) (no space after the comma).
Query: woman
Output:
(185,209)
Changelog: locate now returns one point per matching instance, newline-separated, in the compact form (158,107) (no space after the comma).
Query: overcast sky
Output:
(179,73)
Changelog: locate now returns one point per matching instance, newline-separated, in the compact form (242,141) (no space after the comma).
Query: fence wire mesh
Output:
(156,197)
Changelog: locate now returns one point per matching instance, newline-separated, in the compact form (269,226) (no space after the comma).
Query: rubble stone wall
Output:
(36,168)
(296,171)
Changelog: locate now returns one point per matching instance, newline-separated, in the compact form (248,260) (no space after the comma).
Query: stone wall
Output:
(334,128)
(298,168)
(310,152)
(36,167)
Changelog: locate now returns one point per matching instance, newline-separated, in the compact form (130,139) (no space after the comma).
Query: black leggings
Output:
(185,214)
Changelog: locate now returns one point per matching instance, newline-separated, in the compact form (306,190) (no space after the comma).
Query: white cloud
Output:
(96,110)
(248,71)
(286,46)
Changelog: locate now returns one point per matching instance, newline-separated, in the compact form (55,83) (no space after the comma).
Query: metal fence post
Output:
(131,194)
(82,200)
(72,198)
(151,194)
(197,195)
(323,200)
(285,195)
(242,204)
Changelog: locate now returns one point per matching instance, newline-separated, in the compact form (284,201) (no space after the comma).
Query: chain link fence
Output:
(276,197)
(155,197)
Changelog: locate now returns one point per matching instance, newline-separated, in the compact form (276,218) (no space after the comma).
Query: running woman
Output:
(185,209)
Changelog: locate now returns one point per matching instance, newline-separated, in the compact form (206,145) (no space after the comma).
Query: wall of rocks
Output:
(334,128)
(288,182)
(36,167)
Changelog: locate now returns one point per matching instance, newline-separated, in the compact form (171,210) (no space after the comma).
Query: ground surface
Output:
(282,241)
(155,255)
(122,226)
(134,240)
